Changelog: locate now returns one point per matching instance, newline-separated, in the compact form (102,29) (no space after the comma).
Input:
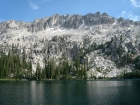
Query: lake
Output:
(112,92)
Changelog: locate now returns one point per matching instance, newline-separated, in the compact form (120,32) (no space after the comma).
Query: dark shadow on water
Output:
(99,92)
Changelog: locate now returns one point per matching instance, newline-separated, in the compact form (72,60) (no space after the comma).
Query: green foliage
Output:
(24,59)
(38,72)
(127,75)
(63,69)
(136,62)
(9,65)
(14,66)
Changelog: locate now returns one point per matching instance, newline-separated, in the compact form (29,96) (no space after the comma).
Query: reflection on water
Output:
(126,92)
(37,92)
(33,92)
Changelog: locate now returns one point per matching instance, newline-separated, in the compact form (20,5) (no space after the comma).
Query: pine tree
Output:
(45,69)
(53,67)
(29,69)
(57,72)
(37,71)
(77,63)
(18,72)
(24,59)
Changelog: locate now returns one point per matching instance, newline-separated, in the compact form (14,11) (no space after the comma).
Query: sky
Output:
(28,10)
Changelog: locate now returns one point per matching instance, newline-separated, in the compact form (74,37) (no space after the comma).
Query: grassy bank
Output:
(9,79)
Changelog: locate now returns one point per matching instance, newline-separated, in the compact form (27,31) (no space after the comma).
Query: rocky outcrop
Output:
(68,21)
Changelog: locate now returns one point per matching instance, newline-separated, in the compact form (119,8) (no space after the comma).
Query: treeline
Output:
(62,69)
(14,66)
(129,75)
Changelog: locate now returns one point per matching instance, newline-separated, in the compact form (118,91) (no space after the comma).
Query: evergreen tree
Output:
(30,69)
(37,71)
(53,67)
(57,72)
(18,72)
(77,62)
(24,65)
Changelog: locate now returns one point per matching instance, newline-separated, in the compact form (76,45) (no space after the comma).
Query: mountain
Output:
(104,45)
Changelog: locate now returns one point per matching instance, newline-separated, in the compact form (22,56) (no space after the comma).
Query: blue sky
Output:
(28,10)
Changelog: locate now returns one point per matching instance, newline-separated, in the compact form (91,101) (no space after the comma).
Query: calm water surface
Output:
(123,92)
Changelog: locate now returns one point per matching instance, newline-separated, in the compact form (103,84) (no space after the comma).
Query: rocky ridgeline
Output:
(67,21)
(109,46)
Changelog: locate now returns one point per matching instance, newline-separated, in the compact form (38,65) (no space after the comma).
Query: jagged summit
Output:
(68,21)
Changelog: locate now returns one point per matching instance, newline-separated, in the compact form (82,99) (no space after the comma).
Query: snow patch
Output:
(82,24)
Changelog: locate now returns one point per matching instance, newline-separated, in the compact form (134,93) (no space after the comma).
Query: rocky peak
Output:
(67,21)
(104,14)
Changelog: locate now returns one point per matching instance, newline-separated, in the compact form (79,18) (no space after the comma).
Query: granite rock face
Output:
(110,46)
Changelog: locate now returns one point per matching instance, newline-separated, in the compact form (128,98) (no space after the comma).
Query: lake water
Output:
(115,92)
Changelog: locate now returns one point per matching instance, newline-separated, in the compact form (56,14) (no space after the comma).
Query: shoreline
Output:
(71,80)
